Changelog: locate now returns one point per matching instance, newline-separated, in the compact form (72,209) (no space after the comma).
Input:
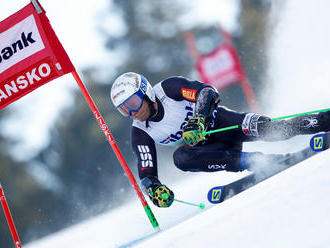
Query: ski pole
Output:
(165,196)
(273,119)
(201,205)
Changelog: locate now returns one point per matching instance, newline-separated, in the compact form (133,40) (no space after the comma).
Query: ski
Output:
(318,143)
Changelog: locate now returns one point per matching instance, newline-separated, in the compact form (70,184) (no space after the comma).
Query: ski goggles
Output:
(134,102)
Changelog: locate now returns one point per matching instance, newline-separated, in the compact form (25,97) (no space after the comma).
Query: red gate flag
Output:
(30,56)
(30,53)
(221,67)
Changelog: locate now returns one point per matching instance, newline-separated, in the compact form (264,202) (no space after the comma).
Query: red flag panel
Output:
(221,67)
(30,54)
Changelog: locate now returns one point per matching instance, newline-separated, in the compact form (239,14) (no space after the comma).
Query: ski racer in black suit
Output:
(177,110)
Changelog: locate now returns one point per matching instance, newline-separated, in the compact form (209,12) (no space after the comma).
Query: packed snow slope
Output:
(290,209)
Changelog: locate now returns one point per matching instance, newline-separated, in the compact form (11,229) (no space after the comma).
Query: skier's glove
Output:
(161,196)
(193,131)
(158,193)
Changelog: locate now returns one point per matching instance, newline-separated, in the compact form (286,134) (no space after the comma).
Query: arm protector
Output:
(207,100)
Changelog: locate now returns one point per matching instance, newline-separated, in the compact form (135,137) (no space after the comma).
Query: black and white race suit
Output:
(176,98)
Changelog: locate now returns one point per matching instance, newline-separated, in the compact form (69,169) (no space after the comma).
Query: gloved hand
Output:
(161,196)
(158,193)
(193,131)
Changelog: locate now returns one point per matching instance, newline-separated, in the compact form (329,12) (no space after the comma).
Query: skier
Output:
(177,110)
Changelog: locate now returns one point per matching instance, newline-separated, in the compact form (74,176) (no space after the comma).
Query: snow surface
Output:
(276,213)
(290,209)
